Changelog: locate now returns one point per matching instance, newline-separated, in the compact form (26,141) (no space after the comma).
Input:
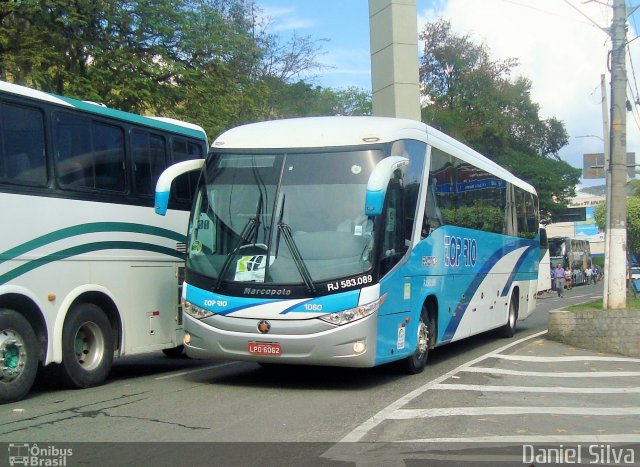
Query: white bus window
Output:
(149,160)
(89,154)
(183,150)
(22,151)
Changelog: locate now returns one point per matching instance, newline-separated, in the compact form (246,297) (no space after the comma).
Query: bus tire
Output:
(415,363)
(19,351)
(87,346)
(509,329)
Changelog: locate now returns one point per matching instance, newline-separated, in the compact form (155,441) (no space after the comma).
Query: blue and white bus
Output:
(86,269)
(351,241)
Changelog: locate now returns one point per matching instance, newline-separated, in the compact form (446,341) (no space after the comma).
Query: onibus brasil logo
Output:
(42,456)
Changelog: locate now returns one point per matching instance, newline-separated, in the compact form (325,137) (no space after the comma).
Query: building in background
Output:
(578,221)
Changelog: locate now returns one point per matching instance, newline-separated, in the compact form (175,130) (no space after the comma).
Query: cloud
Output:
(560,50)
(344,67)
(285,19)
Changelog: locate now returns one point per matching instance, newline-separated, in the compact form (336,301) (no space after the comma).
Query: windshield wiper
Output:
(297,257)
(285,230)
(249,230)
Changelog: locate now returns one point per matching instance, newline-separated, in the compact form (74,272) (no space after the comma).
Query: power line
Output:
(547,12)
(606,30)
(634,109)
(634,98)
(633,73)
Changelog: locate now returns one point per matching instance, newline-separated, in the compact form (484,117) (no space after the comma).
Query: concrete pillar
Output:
(393,30)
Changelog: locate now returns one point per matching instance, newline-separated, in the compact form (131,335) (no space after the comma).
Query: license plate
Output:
(264,348)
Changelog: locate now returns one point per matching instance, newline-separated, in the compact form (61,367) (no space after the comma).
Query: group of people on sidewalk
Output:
(563,279)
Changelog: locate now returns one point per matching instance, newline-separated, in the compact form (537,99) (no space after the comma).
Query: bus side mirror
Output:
(378,181)
(163,187)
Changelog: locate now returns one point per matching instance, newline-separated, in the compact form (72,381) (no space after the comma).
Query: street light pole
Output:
(616,276)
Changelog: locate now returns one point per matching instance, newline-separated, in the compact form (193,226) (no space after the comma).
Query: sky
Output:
(560,46)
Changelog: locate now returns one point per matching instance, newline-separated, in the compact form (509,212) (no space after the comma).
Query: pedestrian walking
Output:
(588,273)
(560,279)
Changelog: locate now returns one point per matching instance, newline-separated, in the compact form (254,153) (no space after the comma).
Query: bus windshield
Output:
(283,218)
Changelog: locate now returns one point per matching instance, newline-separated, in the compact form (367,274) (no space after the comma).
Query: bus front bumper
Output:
(351,345)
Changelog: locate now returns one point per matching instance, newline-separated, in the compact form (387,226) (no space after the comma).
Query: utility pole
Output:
(617,254)
(607,168)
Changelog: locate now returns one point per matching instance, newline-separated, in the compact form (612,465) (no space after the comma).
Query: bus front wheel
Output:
(417,361)
(18,356)
(87,346)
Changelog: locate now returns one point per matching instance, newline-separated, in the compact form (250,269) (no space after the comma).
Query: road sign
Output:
(593,165)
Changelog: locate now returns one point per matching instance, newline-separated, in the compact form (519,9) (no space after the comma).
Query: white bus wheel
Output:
(87,346)
(18,356)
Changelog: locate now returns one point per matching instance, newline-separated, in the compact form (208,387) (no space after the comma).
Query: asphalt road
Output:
(152,398)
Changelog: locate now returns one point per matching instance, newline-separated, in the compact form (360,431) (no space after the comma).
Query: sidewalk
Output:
(533,402)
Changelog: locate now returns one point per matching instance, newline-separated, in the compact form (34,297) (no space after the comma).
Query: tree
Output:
(475,100)
(210,62)
(633,222)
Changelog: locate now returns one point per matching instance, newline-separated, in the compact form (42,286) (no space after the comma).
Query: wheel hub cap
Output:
(12,355)
(423,338)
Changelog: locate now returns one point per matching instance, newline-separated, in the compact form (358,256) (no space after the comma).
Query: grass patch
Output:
(632,304)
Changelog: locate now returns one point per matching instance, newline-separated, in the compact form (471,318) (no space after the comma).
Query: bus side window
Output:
(108,153)
(393,245)
(149,160)
(89,154)
(185,185)
(22,152)
(432,215)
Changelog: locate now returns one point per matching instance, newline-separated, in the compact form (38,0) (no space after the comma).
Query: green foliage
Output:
(210,62)
(479,217)
(474,99)
(554,180)
(633,303)
(633,222)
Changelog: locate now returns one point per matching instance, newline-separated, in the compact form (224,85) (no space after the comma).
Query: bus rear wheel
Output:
(416,362)
(18,356)
(87,346)
(509,329)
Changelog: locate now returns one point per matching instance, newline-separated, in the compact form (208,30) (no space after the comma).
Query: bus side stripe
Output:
(85,229)
(475,283)
(81,249)
(516,268)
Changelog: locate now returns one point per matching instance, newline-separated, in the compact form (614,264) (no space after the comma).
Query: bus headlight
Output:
(195,311)
(353,314)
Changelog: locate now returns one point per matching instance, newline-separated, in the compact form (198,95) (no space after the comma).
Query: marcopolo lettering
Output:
(270,292)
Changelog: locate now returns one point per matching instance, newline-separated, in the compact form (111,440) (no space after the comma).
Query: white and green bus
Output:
(87,271)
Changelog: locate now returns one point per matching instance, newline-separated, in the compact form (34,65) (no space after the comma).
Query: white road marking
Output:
(577,358)
(549,374)
(539,389)
(408,414)
(360,431)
